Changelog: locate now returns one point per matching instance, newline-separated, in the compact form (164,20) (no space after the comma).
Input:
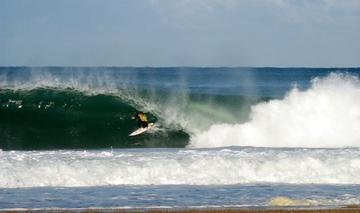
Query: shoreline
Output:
(285,209)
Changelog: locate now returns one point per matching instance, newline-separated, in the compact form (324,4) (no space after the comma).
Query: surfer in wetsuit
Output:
(142,119)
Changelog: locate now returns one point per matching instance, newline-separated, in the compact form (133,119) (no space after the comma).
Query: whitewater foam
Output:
(173,166)
(325,115)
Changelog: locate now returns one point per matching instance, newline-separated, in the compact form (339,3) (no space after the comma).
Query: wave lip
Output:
(179,166)
(325,115)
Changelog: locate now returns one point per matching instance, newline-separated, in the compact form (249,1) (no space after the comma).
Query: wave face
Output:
(67,119)
(45,118)
(184,166)
(325,115)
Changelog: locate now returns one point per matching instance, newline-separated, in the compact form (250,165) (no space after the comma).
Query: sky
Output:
(251,33)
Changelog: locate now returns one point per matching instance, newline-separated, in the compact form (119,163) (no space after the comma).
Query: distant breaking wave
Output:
(325,115)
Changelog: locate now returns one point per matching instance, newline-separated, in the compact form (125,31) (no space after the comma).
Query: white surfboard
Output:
(142,130)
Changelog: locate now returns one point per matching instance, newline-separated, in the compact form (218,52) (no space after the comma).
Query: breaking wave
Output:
(60,108)
(83,108)
(325,115)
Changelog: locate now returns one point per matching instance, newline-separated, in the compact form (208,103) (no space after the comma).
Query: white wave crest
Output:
(325,115)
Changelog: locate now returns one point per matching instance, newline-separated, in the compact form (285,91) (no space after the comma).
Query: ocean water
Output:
(224,137)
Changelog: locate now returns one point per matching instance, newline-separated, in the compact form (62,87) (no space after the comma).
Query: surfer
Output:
(142,119)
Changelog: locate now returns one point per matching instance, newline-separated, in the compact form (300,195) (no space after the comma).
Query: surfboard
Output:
(142,130)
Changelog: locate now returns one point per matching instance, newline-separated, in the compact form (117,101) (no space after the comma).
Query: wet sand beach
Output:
(346,209)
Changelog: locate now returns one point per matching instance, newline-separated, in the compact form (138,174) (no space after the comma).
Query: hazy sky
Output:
(311,33)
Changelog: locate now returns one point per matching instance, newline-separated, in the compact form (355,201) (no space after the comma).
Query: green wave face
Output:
(66,119)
